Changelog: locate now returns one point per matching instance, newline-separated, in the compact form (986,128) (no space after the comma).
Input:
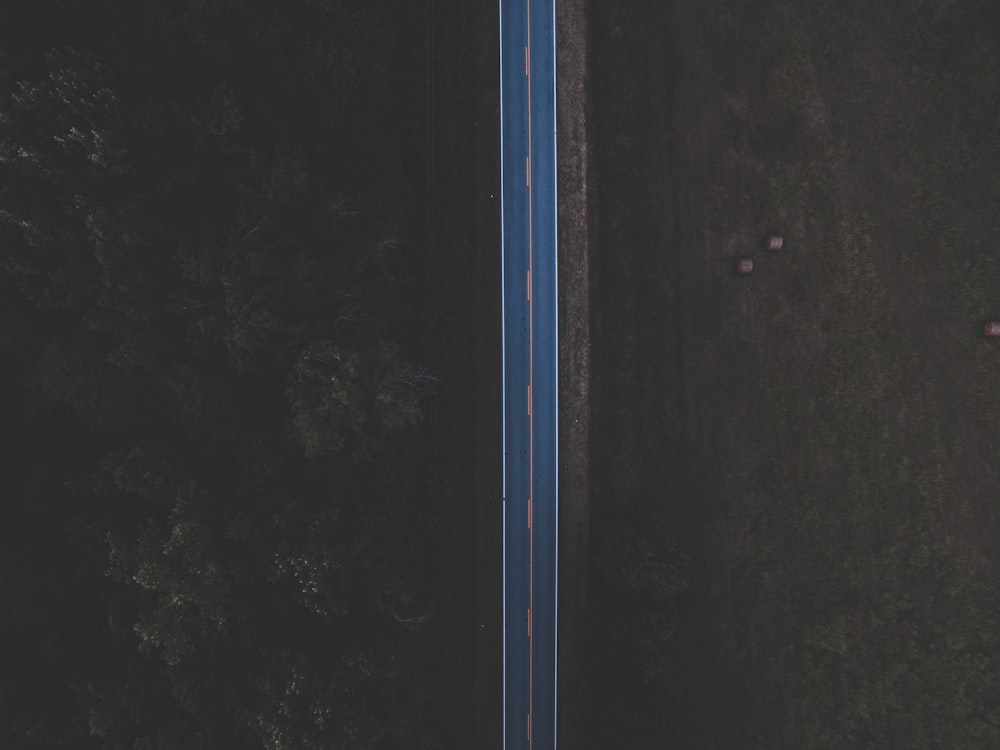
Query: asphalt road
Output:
(530,356)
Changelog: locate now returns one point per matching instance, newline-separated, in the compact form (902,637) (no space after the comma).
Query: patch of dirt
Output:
(574,358)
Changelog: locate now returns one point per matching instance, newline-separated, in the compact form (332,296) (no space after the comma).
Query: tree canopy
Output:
(217,380)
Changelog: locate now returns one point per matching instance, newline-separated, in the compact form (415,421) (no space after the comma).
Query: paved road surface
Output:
(528,220)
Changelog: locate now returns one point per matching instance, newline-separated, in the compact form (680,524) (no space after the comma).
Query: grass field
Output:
(821,436)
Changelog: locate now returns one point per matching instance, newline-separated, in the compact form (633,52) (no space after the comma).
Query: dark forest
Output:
(234,373)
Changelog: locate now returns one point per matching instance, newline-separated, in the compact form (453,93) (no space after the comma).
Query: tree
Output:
(61,145)
(365,401)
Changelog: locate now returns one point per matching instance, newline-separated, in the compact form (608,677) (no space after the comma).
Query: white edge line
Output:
(555,296)
(503,380)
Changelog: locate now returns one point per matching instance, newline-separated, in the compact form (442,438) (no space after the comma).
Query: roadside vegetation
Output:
(820,436)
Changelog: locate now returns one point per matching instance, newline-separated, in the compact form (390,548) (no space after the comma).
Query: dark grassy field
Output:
(820,437)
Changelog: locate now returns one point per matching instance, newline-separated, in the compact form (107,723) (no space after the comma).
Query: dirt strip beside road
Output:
(574,357)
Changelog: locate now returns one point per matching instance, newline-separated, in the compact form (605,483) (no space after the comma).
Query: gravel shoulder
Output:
(574,357)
